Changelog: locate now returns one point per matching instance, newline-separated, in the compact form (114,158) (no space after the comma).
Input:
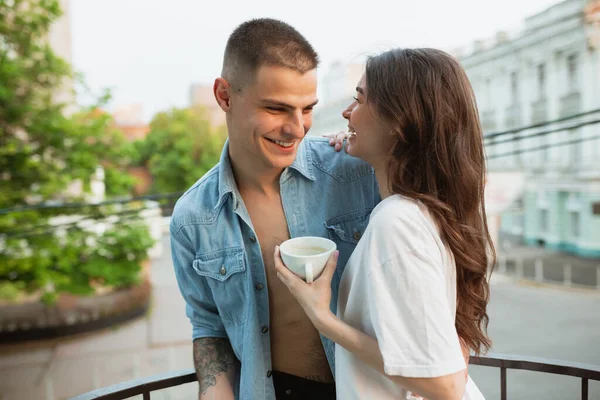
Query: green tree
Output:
(43,149)
(111,150)
(180,147)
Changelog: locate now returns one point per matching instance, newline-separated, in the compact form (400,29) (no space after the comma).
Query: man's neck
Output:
(253,178)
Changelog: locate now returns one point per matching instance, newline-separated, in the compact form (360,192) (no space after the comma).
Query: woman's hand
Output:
(315,297)
(337,139)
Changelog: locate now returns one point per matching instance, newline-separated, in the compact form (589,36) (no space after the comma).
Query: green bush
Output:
(73,259)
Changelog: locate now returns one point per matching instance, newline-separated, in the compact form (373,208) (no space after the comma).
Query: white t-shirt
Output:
(399,287)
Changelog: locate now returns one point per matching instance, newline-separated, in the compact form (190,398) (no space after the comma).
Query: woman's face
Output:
(371,138)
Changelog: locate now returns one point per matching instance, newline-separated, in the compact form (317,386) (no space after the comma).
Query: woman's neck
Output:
(381,175)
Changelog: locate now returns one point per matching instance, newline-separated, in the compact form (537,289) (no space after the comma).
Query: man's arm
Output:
(215,363)
(216,368)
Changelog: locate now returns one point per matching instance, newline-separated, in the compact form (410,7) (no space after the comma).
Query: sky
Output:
(149,52)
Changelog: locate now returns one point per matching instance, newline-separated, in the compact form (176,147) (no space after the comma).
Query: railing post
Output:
(584,389)
(568,275)
(146,395)
(502,383)
(539,270)
(519,267)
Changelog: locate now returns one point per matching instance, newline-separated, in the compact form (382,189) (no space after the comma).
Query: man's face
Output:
(270,116)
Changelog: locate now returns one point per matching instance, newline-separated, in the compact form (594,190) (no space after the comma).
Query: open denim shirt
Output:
(217,258)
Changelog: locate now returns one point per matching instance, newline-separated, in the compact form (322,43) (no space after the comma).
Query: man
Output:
(252,339)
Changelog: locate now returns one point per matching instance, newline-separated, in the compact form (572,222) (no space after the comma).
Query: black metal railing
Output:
(505,362)
(585,372)
(143,386)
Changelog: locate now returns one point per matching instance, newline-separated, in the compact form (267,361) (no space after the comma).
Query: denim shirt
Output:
(217,258)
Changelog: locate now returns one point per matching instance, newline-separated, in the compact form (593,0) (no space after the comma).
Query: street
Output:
(546,322)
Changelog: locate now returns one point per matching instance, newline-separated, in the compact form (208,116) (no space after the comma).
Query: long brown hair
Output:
(439,159)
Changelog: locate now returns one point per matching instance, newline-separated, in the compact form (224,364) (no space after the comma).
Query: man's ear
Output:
(222,91)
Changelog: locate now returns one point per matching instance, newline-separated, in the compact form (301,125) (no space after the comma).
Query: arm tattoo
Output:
(211,357)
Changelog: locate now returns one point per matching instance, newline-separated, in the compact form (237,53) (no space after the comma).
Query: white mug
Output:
(306,256)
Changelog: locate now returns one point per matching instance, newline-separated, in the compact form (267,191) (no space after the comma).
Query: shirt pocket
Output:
(225,271)
(346,230)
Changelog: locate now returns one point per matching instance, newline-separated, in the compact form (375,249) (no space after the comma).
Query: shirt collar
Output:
(302,164)
(226,180)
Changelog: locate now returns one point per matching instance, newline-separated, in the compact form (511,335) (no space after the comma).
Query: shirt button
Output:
(264,330)
(252,238)
(356,235)
(269,373)
(259,286)
(223,270)
(288,392)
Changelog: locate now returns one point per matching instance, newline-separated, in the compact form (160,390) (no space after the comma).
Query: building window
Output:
(544,226)
(514,88)
(488,94)
(541,77)
(518,222)
(573,73)
(574,148)
(575,219)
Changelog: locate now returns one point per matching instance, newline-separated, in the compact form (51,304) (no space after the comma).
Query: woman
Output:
(417,279)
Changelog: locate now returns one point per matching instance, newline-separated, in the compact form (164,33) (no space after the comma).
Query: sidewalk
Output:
(59,369)
(546,266)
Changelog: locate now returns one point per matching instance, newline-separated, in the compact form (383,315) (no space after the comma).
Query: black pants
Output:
(290,387)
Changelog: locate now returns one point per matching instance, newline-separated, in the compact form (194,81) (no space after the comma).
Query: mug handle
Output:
(308,270)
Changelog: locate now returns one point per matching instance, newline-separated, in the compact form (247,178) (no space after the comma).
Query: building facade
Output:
(538,79)
(129,120)
(202,95)
(59,38)
(548,71)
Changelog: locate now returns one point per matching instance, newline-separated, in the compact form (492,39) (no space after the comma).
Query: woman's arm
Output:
(315,299)
(366,348)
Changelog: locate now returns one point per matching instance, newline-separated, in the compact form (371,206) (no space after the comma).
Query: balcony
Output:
(539,111)
(570,104)
(504,362)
